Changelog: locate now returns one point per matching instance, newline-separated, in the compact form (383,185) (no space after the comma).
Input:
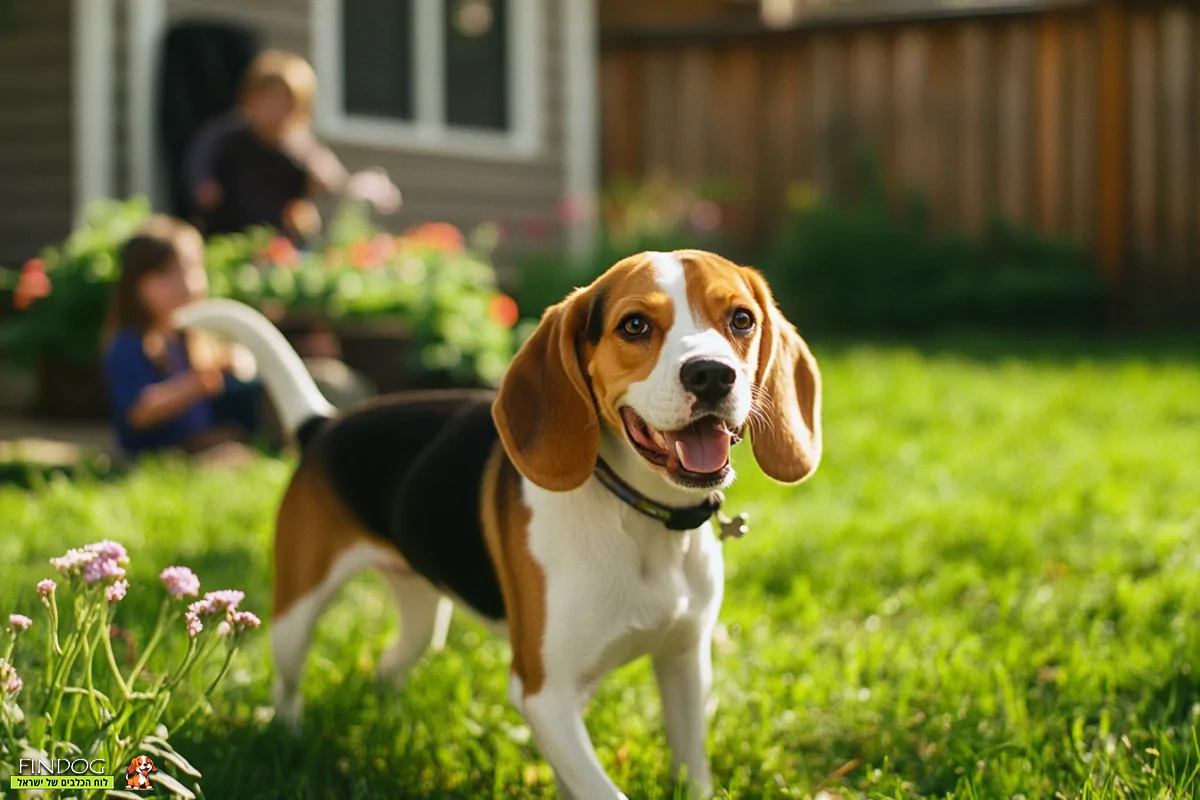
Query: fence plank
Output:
(782,126)
(869,96)
(1081,131)
(944,127)
(824,52)
(1177,136)
(621,113)
(733,117)
(1016,127)
(1049,116)
(659,123)
(1111,153)
(1143,124)
(695,84)
(912,80)
(977,128)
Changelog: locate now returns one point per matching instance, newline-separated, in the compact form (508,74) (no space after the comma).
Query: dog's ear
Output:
(785,428)
(545,412)
(151,763)
(132,768)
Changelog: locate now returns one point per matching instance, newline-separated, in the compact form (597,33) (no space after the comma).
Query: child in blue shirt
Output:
(167,390)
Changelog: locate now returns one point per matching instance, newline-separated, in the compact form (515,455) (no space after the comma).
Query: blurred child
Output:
(261,164)
(170,390)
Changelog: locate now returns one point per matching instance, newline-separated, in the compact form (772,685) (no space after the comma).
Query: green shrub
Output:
(867,266)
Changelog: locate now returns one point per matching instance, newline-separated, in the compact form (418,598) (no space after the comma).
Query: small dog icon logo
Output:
(137,774)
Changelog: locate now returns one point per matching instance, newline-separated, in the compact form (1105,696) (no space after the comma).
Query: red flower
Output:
(32,285)
(437,235)
(503,310)
(363,256)
(281,251)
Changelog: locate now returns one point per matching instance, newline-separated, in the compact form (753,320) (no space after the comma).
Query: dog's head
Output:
(669,358)
(141,765)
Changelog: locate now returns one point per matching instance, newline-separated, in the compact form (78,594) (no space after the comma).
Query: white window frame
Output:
(428,131)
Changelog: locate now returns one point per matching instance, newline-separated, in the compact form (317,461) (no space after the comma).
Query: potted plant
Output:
(416,310)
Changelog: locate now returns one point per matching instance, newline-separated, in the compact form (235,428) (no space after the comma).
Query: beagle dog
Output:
(137,774)
(570,510)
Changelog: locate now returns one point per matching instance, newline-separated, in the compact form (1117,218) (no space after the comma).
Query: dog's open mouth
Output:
(696,454)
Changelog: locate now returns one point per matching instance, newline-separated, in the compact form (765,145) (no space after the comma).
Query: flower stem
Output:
(106,639)
(75,699)
(159,627)
(89,652)
(208,692)
(52,607)
(55,688)
(197,654)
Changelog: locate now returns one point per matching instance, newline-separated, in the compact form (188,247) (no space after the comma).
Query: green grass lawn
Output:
(991,588)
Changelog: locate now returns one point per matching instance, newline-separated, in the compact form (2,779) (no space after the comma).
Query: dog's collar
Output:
(675,519)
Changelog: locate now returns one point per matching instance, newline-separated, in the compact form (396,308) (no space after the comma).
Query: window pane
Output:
(377,58)
(477,80)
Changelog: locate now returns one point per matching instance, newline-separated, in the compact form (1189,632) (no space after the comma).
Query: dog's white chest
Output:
(619,585)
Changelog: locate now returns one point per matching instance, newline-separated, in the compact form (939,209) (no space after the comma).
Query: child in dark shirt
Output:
(169,390)
(261,164)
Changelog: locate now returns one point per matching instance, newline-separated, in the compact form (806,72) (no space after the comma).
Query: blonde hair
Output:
(282,68)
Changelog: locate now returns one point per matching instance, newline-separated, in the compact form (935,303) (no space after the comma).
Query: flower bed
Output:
(76,701)
(426,301)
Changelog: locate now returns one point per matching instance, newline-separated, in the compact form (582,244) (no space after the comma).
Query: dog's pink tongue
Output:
(701,448)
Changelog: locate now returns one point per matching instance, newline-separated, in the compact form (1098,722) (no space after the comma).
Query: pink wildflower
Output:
(180,582)
(109,549)
(46,588)
(72,562)
(224,629)
(100,568)
(10,681)
(194,625)
(19,622)
(223,600)
(246,619)
(116,592)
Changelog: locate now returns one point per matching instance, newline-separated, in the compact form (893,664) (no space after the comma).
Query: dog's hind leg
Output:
(424,621)
(318,547)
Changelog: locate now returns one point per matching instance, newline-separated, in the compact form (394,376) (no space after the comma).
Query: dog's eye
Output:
(634,326)
(742,321)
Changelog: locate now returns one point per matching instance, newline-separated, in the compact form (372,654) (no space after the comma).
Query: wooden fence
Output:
(1082,120)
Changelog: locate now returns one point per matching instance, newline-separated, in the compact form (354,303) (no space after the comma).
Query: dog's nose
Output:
(709,380)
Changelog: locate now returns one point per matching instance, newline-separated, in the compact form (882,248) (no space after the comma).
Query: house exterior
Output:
(498,128)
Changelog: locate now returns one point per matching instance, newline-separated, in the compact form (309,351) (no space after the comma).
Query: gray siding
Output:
(35,129)
(464,191)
